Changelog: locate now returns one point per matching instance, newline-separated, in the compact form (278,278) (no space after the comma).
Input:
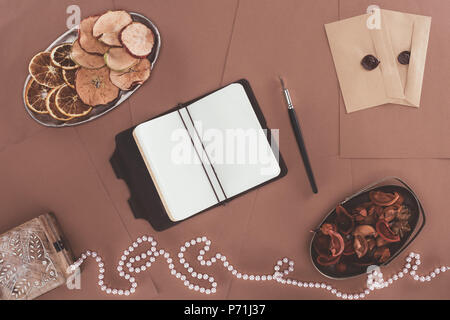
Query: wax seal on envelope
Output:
(398,42)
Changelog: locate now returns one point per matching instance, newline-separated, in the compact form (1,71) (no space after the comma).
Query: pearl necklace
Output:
(282,268)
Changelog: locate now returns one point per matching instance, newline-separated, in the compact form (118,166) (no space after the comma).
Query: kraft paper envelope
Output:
(391,82)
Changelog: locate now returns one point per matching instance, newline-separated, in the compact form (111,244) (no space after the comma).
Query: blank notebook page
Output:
(183,187)
(247,160)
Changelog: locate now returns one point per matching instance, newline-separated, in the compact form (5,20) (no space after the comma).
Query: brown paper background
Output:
(207,44)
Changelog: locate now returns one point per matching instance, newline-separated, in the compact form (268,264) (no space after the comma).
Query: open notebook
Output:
(206,152)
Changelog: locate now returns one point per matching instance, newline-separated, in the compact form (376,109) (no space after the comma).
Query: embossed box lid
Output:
(33,259)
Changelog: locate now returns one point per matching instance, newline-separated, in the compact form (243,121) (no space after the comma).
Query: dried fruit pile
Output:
(365,234)
(109,55)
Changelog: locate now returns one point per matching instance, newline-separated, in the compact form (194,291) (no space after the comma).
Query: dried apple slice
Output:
(60,56)
(53,111)
(84,59)
(87,41)
(94,86)
(69,77)
(138,39)
(35,95)
(118,59)
(108,26)
(137,74)
(69,104)
(44,71)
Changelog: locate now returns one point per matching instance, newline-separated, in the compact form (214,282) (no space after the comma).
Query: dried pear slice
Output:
(53,111)
(84,59)
(137,74)
(118,59)
(87,41)
(35,95)
(69,104)
(69,77)
(94,86)
(108,26)
(138,39)
(44,71)
(60,56)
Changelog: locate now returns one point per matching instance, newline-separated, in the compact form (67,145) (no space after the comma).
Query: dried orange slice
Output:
(35,95)
(61,56)
(87,41)
(69,77)
(53,111)
(44,71)
(69,104)
(84,59)
(94,86)
(135,75)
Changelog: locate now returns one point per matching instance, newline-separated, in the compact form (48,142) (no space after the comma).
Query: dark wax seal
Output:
(369,62)
(403,57)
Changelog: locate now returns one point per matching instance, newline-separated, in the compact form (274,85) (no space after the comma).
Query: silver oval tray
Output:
(70,36)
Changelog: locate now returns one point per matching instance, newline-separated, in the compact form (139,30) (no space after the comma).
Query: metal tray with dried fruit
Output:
(89,64)
(369,228)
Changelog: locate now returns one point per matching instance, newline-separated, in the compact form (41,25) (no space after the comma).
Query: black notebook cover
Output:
(128,165)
